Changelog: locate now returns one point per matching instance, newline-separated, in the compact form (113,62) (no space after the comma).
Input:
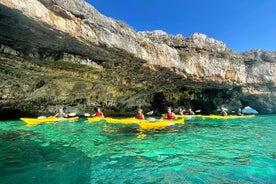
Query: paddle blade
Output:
(149,113)
(151,119)
(72,114)
(41,117)
(86,114)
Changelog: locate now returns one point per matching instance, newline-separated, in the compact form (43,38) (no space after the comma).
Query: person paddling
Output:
(170,115)
(98,113)
(180,111)
(140,114)
(239,112)
(61,113)
(190,112)
(223,112)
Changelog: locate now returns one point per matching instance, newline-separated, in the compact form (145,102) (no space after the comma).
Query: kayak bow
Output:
(35,121)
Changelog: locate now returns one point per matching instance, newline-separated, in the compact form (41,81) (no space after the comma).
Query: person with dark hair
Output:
(223,112)
(98,113)
(190,112)
(239,112)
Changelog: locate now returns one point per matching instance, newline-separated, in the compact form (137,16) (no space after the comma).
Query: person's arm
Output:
(65,115)
(174,116)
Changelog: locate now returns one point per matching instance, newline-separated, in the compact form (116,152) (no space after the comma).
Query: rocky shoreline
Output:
(58,56)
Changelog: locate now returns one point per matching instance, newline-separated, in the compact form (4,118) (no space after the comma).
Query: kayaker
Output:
(98,113)
(170,115)
(190,112)
(181,111)
(223,112)
(239,112)
(61,114)
(140,114)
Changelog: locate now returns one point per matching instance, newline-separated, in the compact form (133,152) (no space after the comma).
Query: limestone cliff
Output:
(64,52)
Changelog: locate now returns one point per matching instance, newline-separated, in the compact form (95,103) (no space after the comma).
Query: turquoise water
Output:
(201,151)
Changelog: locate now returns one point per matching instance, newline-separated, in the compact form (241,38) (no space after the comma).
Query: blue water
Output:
(201,151)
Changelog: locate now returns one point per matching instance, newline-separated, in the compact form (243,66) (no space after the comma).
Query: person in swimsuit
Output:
(98,113)
(61,113)
(170,115)
(140,114)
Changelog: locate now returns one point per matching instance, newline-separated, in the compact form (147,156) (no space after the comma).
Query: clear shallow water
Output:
(201,151)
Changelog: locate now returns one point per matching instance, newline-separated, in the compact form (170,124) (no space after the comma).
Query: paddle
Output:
(87,115)
(199,110)
(72,114)
(149,113)
(41,117)
(151,119)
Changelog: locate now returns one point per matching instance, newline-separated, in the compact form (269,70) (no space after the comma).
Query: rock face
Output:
(65,53)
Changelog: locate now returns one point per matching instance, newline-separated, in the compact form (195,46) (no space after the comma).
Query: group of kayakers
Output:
(62,114)
(223,112)
(169,115)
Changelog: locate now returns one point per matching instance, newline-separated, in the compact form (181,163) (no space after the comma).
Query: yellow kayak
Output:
(145,124)
(227,117)
(150,123)
(115,120)
(123,120)
(35,121)
(187,116)
(95,119)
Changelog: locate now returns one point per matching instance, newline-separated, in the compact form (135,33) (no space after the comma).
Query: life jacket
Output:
(139,116)
(169,115)
(100,114)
